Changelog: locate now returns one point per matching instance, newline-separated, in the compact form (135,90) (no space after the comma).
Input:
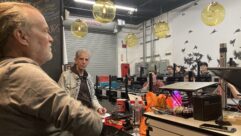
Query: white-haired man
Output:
(77,82)
(31,103)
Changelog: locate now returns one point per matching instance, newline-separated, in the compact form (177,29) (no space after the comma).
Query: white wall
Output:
(207,43)
(181,21)
(129,55)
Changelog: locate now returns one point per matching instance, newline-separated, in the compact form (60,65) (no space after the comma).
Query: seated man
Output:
(205,76)
(169,71)
(77,82)
(179,71)
(31,103)
(172,77)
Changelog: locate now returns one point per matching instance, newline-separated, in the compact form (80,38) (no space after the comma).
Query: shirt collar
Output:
(74,70)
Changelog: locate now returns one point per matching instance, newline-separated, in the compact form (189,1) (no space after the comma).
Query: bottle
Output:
(131,108)
(137,110)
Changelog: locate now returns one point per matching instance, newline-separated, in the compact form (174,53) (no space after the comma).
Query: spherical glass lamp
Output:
(131,40)
(79,28)
(104,11)
(161,29)
(213,14)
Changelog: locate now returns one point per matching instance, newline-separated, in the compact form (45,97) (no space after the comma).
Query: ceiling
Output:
(146,9)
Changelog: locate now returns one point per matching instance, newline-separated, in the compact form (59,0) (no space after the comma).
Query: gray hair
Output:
(11,17)
(78,52)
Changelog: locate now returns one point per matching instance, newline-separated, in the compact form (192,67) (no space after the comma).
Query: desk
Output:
(168,125)
(188,86)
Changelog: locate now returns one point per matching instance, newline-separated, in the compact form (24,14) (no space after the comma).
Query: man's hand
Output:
(102,110)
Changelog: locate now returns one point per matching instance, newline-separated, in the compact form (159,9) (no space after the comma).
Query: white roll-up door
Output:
(103,48)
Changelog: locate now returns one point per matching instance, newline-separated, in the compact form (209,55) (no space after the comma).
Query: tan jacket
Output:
(31,102)
(70,82)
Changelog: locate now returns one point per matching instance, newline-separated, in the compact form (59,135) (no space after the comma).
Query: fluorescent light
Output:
(117,6)
(85,1)
(126,8)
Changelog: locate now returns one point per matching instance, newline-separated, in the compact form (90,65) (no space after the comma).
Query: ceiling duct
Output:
(93,25)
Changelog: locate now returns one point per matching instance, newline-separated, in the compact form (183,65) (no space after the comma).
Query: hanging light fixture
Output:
(161,29)
(131,40)
(79,28)
(104,11)
(213,14)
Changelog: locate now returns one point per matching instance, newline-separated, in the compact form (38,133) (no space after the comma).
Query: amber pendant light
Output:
(104,11)
(213,14)
(161,29)
(79,28)
(131,40)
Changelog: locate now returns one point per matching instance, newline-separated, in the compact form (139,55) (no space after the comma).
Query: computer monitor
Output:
(231,75)
(203,78)
(160,77)
(141,80)
(171,80)
(119,79)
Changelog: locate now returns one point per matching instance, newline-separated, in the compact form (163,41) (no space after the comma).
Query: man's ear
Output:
(21,36)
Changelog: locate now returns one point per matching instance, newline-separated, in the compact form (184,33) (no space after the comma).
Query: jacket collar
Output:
(74,70)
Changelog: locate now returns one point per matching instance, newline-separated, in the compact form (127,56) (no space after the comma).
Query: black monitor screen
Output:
(160,77)
(119,79)
(171,80)
(141,80)
(207,78)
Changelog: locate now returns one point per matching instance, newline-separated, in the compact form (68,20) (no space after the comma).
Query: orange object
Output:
(169,102)
(161,101)
(103,78)
(143,126)
(151,100)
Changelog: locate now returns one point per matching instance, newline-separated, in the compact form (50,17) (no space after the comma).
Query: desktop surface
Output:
(188,86)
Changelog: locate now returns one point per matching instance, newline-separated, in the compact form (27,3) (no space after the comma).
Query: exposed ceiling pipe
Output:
(88,10)
(144,41)
(93,25)
(152,42)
